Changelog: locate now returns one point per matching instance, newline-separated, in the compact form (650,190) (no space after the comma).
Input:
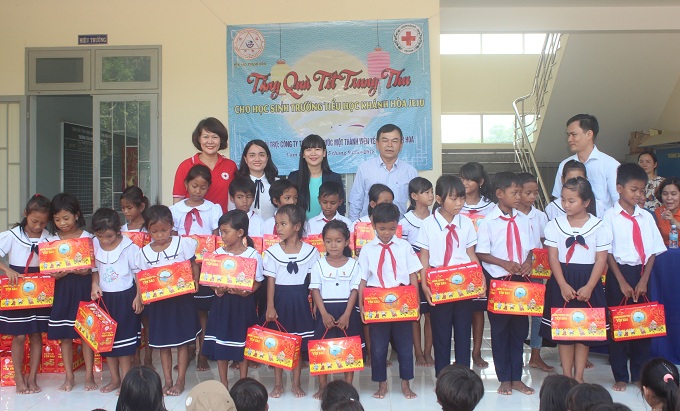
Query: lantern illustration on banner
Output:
(378,59)
(279,70)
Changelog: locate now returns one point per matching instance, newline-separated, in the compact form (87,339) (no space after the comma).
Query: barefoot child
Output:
(334,284)
(19,246)
(386,262)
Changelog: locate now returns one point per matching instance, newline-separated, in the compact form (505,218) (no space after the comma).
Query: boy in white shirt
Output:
(330,198)
(242,195)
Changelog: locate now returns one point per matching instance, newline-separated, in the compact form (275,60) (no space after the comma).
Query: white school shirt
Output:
(180,249)
(407,263)
(335,283)
(266,209)
(268,226)
(210,214)
(597,236)
(249,253)
(538,220)
(17,247)
(276,262)
(316,224)
(483,207)
(410,225)
(117,268)
(124,229)
(492,236)
(432,237)
(55,237)
(554,209)
(255,224)
(623,248)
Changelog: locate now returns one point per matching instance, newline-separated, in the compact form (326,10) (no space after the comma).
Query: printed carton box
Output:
(32,291)
(455,283)
(269,240)
(391,304)
(257,243)
(364,233)
(335,355)
(66,255)
(275,348)
(53,361)
(7,368)
(220,270)
(632,322)
(316,240)
(96,326)
(476,218)
(139,238)
(205,244)
(516,297)
(160,283)
(540,266)
(578,324)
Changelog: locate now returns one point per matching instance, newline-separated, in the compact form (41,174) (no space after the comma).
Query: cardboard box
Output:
(516,297)
(637,138)
(160,283)
(635,321)
(52,358)
(66,255)
(269,240)
(205,244)
(220,270)
(275,348)
(96,326)
(139,238)
(335,355)
(99,362)
(257,243)
(578,324)
(391,304)
(32,291)
(364,232)
(316,240)
(540,266)
(476,218)
(7,368)
(455,283)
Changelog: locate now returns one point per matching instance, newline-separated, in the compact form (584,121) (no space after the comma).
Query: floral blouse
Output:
(651,202)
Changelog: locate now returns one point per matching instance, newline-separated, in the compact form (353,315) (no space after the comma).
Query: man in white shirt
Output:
(601,168)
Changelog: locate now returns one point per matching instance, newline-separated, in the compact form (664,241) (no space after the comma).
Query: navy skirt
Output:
(337,308)
(228,322)
(129,330)
(292,307)
(173,322)
(203,298)
(577,275)
(69,291)
(26,321)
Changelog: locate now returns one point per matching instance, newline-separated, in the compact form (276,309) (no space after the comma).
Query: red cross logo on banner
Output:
(408,38)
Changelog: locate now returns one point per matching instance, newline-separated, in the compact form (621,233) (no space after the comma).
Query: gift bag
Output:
(269,240)
(66,255)
(334,355)
(139,238)
(455,283)
(95,325)
(204,244)
(316,241)
(364,232)
(540,266)
(635,321)
(32,291)
(160,283)
(276,348)
(391,304)
(578,324)
(221,270)
(516,297)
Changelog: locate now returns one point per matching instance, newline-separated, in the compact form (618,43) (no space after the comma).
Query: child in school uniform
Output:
(241,194)
(572,169)
(334,283)
(577,243)
(448,238)
(386,262)
(330,198)
(504,243)
(281,192)
(113,281)
(636,244)
(287,266)
(377,194)
(233,310)
(172,322)
(20,246)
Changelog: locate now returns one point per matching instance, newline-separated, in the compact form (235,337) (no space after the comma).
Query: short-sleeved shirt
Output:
(597,236)
(18,247)
(249,253)
(277,263)
(124,228)
(665,225)
(268,226)
(180,249)
(222,174)
(410,225)
(335,283)
(210,214)
(407,263)
(432,237)
(623,248)
(117,267)
(538,221)
(316,224)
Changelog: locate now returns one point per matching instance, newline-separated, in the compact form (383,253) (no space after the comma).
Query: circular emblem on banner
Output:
(408,38)
(248,43)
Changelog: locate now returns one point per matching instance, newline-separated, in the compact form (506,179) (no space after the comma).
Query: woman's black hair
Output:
(666,182)
(270,170)
(374,194)
(105,219)
(212,125)
(502,181)
(342,227)
(661,377)
(553,393)
(135,195)
(336,391)
(417,185)
(296,215)
(311,141)
(141,391)
(157,213)
(238,220)
(574,165)
(65,202)
(448,185)
(584,190)
(584,396)
(458,388)
(36,204)
(475,172)
(199,170)
(649,153)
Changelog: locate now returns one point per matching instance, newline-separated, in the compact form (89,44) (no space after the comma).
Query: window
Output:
(492,43)
(478,128)
(127,69)
(63,71)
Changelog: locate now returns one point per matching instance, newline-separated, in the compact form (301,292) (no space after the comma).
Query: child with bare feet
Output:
(18,245)
(387,262)
(71,287)
(458,388)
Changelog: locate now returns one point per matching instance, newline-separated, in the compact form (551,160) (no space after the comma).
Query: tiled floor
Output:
(77,400)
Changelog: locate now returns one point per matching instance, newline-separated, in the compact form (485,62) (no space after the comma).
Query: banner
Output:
(340,80)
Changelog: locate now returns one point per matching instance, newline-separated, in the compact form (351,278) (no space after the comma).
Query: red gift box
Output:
(269,240)
(391,304)
(66,255)
(7,368)
(476,218)
(99,362)
(6,342)
(635,321)
(276,348)
(96,326)
(516,298)
(53,360)
(257,243)
(540,266)
(455,283)
(32,291)
(334,355)
(221,270)
(364,233)
(138,237)
(316,240)
(205,244)
(160,283)
(578,324)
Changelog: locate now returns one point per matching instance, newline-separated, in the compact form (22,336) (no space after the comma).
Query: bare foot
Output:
(505,388)
(317,395)
(67,385)
(478,361)
(254,365)
(202,363)
(407,391)
(589,364)
(90,385)
(429,361)
(298,392)
(637,384)
(367,361)
(620,386)
(166,387)
(420,361)
(234,365)
(277,391)
(382,390)
(389,363)
(522,387)
(149,365)
(33,387)
(113,385)
(541,365)
(20,382)
(175,390)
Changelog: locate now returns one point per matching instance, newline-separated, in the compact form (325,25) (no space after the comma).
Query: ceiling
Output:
(558,3)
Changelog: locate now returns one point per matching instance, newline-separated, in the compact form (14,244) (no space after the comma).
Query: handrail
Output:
(523,140)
